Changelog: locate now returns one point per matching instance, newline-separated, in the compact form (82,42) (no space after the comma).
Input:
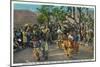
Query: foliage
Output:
(59,13)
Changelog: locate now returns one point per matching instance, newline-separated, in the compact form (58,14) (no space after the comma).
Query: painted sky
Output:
(32,7)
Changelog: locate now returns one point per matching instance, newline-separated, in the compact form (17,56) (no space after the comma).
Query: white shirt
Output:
(70,37)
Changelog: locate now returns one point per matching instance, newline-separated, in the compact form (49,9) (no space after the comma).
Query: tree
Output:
(59,13)
(44,14)
(47,11)
(42,19)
